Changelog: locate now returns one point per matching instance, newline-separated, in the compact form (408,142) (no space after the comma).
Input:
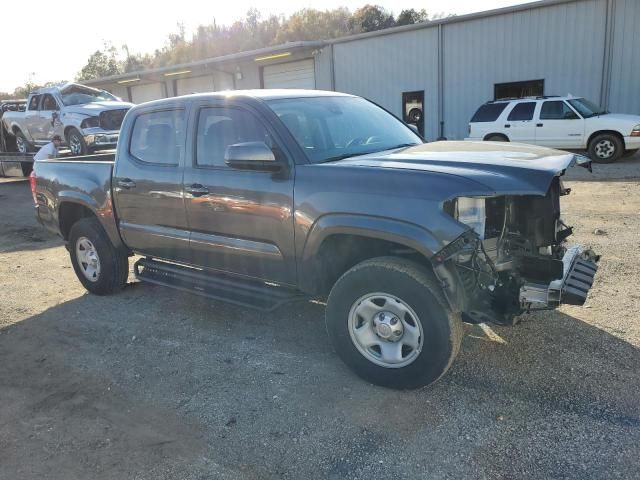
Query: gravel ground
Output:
(157,384)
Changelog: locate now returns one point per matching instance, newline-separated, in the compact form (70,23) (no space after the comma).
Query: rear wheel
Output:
(606,148)
(22,145)
(389,322)
(101,268)
(76,143)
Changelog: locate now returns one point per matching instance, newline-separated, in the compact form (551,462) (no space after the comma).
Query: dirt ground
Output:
(157,384)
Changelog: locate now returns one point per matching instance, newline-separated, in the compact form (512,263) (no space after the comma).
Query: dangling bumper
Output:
(580,267)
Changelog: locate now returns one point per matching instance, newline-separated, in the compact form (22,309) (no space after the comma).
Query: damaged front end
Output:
(514,257)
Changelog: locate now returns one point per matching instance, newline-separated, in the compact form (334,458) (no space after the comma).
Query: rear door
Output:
(559,126)
(32,118)
(147,183)
(241,220)
(519,126)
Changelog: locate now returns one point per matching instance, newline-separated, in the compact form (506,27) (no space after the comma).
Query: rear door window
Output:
(522,112)
(158,137)
(489,112)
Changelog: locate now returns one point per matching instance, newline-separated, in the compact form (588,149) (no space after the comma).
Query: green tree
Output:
(101,63)
(411,16)
(370,18)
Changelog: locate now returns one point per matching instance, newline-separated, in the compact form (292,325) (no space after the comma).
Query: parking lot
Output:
(153,383)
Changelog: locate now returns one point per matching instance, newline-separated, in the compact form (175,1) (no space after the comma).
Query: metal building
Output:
(448,67)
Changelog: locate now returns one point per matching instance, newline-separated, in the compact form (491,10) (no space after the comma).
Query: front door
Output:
(241,220)
(559,126)
(48,120)
(520,126)
(147,184)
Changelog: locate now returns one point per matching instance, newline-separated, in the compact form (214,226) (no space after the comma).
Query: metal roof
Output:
(299,45)
(212,60)
(455,19)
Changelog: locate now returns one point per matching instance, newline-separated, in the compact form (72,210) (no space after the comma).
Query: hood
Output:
(616,119)
(96,108)
(497,167)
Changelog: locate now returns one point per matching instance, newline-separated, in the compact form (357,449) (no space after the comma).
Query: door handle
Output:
(507,126)
(126,183)
(197,190)
(539,124)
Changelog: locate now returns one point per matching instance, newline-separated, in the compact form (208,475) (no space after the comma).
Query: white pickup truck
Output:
(568,123)
(86,118)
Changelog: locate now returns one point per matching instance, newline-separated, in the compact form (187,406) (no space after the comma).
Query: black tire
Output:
(22,145)
(113,264)
(630,153)
(605,148)
(415,115)
(76,143)
(416,287)
(496,138)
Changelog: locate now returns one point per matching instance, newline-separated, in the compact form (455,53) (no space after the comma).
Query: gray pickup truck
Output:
(86,119)
(267,196)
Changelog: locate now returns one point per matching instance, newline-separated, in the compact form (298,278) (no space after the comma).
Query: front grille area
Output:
(112,119)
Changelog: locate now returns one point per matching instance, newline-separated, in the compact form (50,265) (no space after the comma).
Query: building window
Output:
(529,88)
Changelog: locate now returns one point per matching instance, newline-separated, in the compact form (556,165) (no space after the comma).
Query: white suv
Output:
(560,122)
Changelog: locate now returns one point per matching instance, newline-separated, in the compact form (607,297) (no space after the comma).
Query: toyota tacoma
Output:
(268,196)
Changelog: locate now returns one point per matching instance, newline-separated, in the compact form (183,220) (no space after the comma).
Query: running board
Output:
(247,293)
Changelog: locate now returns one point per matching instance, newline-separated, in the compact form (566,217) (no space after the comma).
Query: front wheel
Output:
(101,268)
(76,143)
(389,322)
(606,148)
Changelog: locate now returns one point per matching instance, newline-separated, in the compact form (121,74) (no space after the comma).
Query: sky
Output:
(54,40)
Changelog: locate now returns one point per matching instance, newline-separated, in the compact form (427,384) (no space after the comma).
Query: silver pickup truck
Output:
(86,118)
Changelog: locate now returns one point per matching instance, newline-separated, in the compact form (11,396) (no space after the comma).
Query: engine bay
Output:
(514,259)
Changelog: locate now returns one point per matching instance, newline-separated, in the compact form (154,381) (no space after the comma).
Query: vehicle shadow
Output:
(259,385)
(19,229)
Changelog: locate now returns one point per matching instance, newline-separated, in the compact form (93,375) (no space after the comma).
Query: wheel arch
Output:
(496,134)
(74,206)
(606,132)
(338,242)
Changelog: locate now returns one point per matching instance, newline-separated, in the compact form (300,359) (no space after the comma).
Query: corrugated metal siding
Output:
(300,74)
(563,44)
(223,81)
(200,84)
(381,68)
(146,93)
(323,69)
(624,96)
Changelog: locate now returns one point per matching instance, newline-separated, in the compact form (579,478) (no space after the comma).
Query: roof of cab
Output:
(262,94)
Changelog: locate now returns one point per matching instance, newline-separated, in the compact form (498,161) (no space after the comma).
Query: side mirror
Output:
(252,156)
(570,116)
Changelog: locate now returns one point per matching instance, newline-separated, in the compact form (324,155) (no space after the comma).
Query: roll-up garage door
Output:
(146,93)
(195,85)
(290,75)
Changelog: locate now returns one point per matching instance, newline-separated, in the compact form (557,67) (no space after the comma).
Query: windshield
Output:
(78,95)
(331,128)
(586,108)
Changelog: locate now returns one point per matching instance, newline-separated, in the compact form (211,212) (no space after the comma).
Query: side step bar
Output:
(247,293)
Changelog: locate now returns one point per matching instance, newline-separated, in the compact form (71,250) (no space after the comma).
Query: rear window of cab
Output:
(489,112)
